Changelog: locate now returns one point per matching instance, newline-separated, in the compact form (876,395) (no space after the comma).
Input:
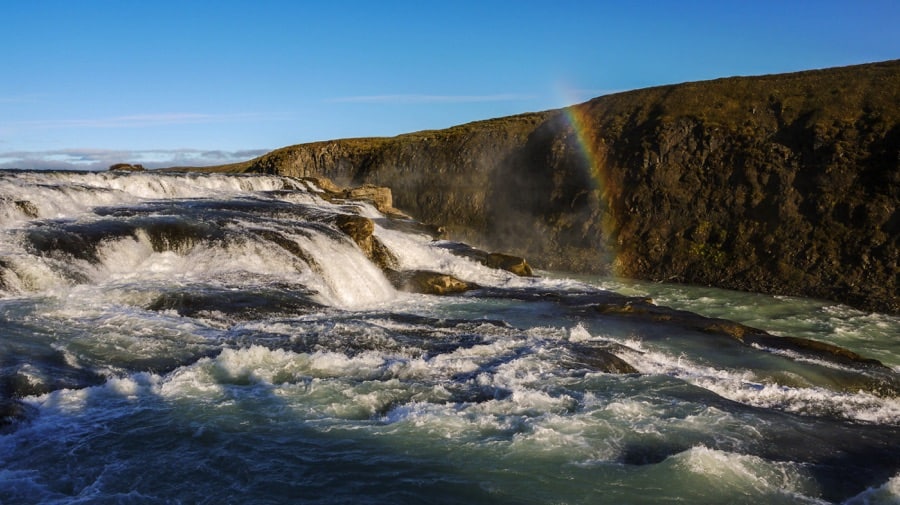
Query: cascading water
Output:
(190,338)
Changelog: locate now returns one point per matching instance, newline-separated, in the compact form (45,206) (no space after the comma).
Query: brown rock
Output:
(360,229)
(324,183)
(428,282)
(380,196)
(514,264)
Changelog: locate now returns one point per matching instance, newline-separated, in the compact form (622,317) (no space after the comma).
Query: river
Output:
(192,338)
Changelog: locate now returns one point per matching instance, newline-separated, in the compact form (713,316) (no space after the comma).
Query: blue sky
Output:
(84,84)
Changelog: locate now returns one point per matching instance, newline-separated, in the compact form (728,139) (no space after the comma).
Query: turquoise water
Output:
(214,365)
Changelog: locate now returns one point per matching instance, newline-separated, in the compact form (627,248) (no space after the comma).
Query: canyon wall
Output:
(785,184)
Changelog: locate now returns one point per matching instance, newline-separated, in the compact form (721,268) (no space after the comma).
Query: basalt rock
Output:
(785,184)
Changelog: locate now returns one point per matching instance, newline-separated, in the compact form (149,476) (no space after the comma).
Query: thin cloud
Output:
(419,99)
(27,98)
(140,120)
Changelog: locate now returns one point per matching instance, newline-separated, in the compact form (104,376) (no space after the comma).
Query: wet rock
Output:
(13,413)
(325,184)
(806,346)
(508,262)
(645,310)
(597,358)
(428,282)
(503,261)
(360,229)
(27,208)
(379,196)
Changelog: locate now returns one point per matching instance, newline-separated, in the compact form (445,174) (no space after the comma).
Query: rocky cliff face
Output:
(785,184)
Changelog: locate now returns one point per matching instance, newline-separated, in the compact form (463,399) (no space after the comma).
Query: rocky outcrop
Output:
(514,264)
(361,230)
(785,184)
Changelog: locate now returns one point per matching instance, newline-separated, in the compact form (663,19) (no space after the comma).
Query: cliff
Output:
(785,184)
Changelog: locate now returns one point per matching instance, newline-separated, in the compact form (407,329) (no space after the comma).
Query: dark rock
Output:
(597,359)
(875,377)
(428,282)
(27,208)
(14,412)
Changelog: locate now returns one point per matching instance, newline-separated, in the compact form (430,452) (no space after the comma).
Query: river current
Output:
(192,338)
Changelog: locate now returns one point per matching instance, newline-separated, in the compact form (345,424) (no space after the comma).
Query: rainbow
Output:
(590,145)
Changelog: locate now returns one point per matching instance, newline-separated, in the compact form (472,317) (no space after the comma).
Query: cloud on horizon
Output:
(101,159)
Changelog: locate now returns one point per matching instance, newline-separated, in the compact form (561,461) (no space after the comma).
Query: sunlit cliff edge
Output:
(785,184)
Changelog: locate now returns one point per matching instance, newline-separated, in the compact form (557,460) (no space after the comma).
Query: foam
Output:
(886,494)
(720,471)
(348,278)
(745,387)
(418,252)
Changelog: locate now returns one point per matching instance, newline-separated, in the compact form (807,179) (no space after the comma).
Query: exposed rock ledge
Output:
(361,230)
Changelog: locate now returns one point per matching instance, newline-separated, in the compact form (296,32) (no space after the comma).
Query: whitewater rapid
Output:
(191,338)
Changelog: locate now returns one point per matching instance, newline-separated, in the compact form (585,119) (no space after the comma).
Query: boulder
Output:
(324,183)
(428,282)
(380,196)
(514,264)
(595,358)
(360,229)
(28,208)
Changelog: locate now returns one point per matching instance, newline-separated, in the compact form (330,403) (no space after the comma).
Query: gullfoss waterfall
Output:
(194,338)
